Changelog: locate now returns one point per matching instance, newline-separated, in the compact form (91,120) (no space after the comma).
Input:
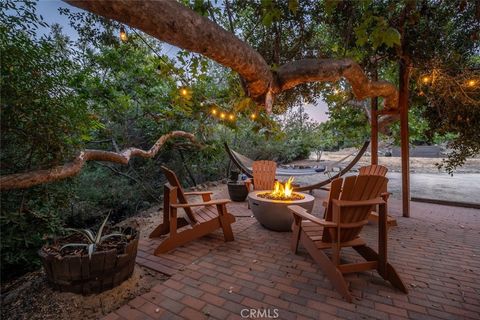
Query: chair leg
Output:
(295,237)
(391,275)
(331,271)
(226,227)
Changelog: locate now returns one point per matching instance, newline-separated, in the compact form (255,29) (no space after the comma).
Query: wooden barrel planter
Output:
(81,274)
(237,191)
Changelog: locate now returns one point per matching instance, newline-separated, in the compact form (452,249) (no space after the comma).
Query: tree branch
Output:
(33,178)
(176,24)
(309,70)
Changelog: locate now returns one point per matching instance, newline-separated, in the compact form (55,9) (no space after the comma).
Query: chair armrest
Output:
(302,212)
(197,193)
(357,203)
(200,204)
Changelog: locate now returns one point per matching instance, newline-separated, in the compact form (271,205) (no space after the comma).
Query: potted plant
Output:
(90,262)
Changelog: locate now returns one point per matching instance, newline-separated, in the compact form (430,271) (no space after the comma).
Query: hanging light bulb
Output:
(426,79)
(123,35)
(471,83)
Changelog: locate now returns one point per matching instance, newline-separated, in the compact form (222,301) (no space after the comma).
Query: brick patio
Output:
(436,251)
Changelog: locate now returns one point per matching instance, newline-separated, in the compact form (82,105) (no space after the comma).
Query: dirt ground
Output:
(30,297)
(417,165)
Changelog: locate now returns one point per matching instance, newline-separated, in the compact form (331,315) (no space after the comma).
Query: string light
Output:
(222,115)
(471,83)
(336,91)
(183,92)
(231,117)
(123,35)
(253,116)
(214,111)
(425,79)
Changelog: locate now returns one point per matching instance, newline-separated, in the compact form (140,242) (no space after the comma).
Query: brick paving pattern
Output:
(436,251)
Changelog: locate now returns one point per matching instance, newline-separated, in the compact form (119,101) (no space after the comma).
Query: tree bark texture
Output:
(33,178)
(170,21)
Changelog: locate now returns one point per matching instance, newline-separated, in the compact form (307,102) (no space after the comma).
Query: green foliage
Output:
(43,122)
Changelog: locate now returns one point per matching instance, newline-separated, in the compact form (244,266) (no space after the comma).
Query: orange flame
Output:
(281,190)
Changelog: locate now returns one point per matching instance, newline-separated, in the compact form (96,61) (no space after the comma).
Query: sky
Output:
(49,10)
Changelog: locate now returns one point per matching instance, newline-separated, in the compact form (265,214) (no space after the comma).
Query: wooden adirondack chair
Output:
(373,170)
(352,200)
(263,175)
(208,216)
(378,170)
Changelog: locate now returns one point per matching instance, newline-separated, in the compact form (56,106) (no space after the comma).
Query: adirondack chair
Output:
(352,198)
(373,170)
(378,170)
(263,175)
(208,216)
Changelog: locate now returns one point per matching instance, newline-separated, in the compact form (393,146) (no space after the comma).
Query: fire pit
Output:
(270,206)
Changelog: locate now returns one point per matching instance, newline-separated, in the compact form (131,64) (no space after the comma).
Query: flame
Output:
(281,190)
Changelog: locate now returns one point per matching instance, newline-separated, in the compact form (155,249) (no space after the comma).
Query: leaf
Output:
(100,230)
(86,233)
(267,19)
(111,235)
(392,37)
(293,5)
(91,249)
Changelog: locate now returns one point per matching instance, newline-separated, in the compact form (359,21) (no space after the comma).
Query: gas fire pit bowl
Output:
(274,214)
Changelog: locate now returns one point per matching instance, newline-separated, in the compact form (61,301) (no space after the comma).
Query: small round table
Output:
(274,214)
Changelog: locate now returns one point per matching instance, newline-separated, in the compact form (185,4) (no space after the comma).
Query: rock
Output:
(224,181)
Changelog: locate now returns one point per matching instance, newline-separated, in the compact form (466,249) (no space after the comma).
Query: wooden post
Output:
(374,131)
(374,123)
(404,77)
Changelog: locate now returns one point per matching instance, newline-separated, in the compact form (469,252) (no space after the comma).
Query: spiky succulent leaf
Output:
(105,237)
(100,231)
(84,232)
(91,250)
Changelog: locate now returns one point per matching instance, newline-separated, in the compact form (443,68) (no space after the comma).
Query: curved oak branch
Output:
(174,23)
(310,70)
(33,178)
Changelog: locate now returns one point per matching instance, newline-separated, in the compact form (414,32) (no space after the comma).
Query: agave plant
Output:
(94,239)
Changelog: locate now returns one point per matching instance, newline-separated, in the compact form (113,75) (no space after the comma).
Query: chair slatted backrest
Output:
(373,170)
(174,182)
(355,188)
(264,172)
